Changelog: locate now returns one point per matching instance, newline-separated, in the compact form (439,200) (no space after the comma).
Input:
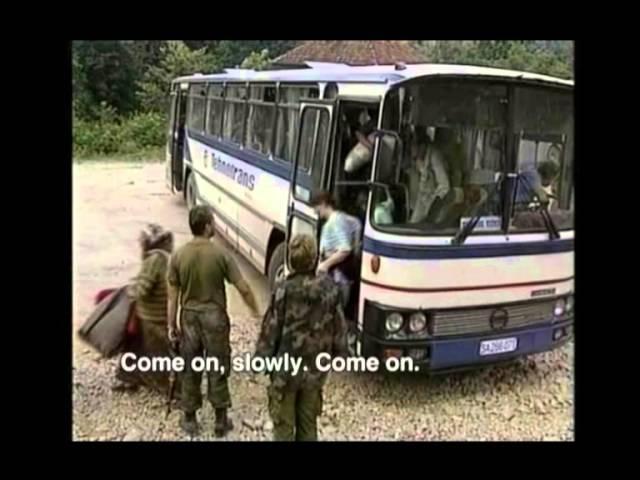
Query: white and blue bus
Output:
(484,275)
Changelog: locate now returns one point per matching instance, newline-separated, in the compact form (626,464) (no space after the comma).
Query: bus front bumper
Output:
(461,353)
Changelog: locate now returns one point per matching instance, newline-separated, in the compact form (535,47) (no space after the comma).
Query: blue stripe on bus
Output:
(276,167)
(424,252)
(240,202)
(244,234)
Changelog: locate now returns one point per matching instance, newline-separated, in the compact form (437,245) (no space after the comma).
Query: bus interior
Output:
(352,167)
(458,140)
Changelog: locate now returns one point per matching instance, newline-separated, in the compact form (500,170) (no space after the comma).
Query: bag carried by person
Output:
(359,156)
(106,328)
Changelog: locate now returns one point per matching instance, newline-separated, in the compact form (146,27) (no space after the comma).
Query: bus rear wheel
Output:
(191,192)
(276,266)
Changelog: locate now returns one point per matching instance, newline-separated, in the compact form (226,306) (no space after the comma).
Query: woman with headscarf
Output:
(149,294)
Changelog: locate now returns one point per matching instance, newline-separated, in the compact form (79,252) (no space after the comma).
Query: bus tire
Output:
(276,266)
(191,191)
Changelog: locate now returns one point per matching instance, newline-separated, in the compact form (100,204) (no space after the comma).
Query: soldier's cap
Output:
(303,251)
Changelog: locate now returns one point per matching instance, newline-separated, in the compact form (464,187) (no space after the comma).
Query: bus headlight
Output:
(559,307)
(417,322)
(394,322)
(569,305)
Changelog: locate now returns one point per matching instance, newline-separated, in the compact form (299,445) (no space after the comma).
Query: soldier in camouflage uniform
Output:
(197,272)
(305,318)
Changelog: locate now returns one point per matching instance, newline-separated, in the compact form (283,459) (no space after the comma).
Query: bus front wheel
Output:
(276,266)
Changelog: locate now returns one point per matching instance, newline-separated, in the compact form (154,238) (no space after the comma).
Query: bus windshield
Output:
(443,152)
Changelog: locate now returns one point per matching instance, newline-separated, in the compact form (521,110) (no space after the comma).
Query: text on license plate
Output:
(499,345)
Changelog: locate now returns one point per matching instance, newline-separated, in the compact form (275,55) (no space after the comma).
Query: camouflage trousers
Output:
(294,412)
(205,333)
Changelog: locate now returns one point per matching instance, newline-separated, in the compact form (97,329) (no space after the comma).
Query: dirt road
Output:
(530,400)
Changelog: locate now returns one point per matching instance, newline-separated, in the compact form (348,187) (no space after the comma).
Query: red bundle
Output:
(102,294)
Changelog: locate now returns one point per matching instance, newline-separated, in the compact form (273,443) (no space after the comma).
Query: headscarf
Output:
(155,237)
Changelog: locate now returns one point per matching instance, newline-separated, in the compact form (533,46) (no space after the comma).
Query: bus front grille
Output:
(471,320)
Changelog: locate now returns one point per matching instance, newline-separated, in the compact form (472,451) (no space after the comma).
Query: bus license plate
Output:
(500,345)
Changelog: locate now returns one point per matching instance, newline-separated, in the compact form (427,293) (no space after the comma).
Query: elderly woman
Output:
(149,292)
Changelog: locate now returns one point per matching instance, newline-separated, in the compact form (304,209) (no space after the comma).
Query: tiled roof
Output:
(369,52)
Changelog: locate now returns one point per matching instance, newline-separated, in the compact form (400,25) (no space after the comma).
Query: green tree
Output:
(145,54)
(110,74)
(257,60)
(176,59)
(551,57)
(210,45)
(231,53)
(81,98)
(528,56)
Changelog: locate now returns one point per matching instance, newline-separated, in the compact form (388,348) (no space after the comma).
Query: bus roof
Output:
(389,74)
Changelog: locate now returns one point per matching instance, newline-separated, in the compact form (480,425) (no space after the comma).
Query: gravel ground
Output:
(531,399)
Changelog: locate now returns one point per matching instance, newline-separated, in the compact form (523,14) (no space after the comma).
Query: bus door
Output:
(310,169)
(177,135)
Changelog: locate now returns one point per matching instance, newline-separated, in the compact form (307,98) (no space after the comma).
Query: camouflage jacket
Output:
(304,319)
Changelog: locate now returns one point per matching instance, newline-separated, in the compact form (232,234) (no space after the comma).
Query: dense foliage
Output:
(551,57)
(107,133)
(120,88)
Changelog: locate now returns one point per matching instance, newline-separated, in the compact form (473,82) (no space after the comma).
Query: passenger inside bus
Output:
(449,141)
(538,183)
(354,156)
(361,152)
(463,203)
(536,189)
(357,163)
(452,155)
(426,177)
(541,184)
(443,182)
(340,248)
(469,187)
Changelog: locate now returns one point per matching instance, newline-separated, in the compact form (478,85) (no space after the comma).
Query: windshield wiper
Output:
(462,234)
(549,224)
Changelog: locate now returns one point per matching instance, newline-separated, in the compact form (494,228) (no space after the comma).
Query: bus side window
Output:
(195,116)
(261,117)
(320,153)
(306,139)
(312,151)
(215,99)
(234,113)
(288,117)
